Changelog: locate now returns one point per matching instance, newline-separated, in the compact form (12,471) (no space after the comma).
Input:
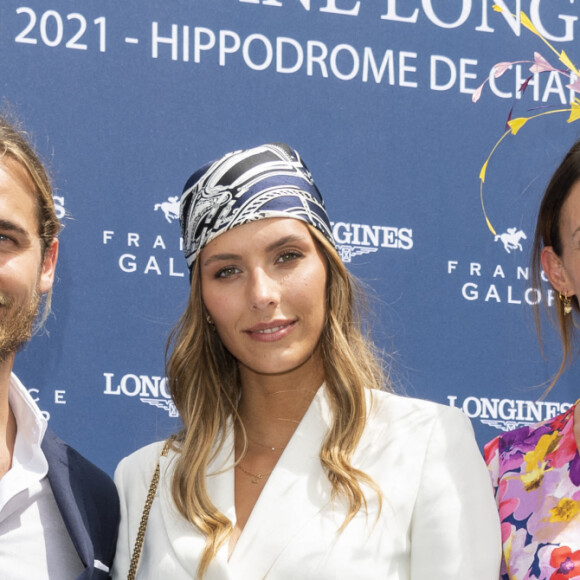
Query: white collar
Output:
(31,427)
(273,524)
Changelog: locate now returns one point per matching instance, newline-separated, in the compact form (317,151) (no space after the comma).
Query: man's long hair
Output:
(15,146)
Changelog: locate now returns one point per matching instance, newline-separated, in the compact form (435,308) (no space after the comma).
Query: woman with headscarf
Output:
(295,460)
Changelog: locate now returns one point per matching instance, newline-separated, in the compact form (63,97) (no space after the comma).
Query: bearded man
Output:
(58,512)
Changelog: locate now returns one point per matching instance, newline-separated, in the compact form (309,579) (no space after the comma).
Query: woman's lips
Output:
(272,331)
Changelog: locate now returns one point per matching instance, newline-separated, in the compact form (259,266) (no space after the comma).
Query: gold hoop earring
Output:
(566,303)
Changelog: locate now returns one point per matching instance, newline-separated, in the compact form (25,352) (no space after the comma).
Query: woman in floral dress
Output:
(536,470)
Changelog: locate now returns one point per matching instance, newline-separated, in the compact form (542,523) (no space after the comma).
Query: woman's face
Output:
(564,271)
(264,286)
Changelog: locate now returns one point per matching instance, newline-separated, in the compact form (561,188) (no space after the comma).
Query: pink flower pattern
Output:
(535,471)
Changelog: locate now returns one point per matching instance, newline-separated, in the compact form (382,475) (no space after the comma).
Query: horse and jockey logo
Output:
(511,239)
(170,208)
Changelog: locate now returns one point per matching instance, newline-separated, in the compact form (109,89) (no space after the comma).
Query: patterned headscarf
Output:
(270,181)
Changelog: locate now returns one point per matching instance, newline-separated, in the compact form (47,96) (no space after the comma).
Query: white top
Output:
(438,521)
(34,542)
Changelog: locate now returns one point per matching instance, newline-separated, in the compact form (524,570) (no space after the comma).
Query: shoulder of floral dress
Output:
(504,448)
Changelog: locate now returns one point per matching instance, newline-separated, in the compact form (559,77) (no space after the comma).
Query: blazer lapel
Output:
(185,539)
(61,478)
(295,492)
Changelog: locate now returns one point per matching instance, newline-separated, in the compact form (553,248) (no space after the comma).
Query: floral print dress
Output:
(535,471)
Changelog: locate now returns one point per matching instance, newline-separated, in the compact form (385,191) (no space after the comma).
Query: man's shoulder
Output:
(86,497)
(81,471)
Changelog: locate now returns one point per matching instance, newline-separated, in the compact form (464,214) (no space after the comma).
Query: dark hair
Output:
(548,234)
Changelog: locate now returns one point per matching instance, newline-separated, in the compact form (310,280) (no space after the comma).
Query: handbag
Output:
(145,516)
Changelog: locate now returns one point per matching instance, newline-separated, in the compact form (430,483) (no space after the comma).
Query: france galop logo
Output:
(170,208)
(511,239)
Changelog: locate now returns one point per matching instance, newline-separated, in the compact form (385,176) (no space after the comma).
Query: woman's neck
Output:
(271,407)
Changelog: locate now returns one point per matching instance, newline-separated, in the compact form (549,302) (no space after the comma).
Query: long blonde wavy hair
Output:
(204,383)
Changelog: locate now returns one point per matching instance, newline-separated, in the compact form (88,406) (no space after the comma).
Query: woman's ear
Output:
(554,268)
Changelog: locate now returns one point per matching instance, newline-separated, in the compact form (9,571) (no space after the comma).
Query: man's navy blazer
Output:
(89,505)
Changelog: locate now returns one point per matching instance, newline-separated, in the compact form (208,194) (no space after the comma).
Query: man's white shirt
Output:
(34,542)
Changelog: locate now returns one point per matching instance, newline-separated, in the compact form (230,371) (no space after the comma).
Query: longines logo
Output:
(161,254)
(478,16)
(508,414)
(500,283)
(359,239)
(149,390)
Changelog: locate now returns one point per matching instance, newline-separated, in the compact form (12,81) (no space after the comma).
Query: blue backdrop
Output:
(126,99)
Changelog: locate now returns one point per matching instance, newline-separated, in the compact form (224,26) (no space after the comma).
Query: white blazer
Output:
(438,521)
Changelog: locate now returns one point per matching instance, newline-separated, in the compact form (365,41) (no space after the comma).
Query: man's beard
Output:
(16,323)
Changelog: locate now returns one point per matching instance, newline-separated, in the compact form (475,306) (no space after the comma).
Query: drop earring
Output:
(566,303)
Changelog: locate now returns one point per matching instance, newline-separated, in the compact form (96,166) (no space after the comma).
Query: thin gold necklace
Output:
(256,477)
(271,447)
(262,444)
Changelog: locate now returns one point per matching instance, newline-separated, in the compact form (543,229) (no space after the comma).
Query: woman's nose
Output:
(263,290)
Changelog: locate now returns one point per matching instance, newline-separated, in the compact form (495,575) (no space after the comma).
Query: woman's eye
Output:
(227,272)
(288,256)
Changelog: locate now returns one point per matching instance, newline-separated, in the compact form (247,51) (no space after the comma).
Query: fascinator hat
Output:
(270,181)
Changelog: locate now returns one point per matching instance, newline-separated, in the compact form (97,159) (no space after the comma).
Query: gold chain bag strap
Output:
(145,516)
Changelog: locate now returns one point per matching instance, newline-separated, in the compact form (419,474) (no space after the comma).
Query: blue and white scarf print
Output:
(270,181)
